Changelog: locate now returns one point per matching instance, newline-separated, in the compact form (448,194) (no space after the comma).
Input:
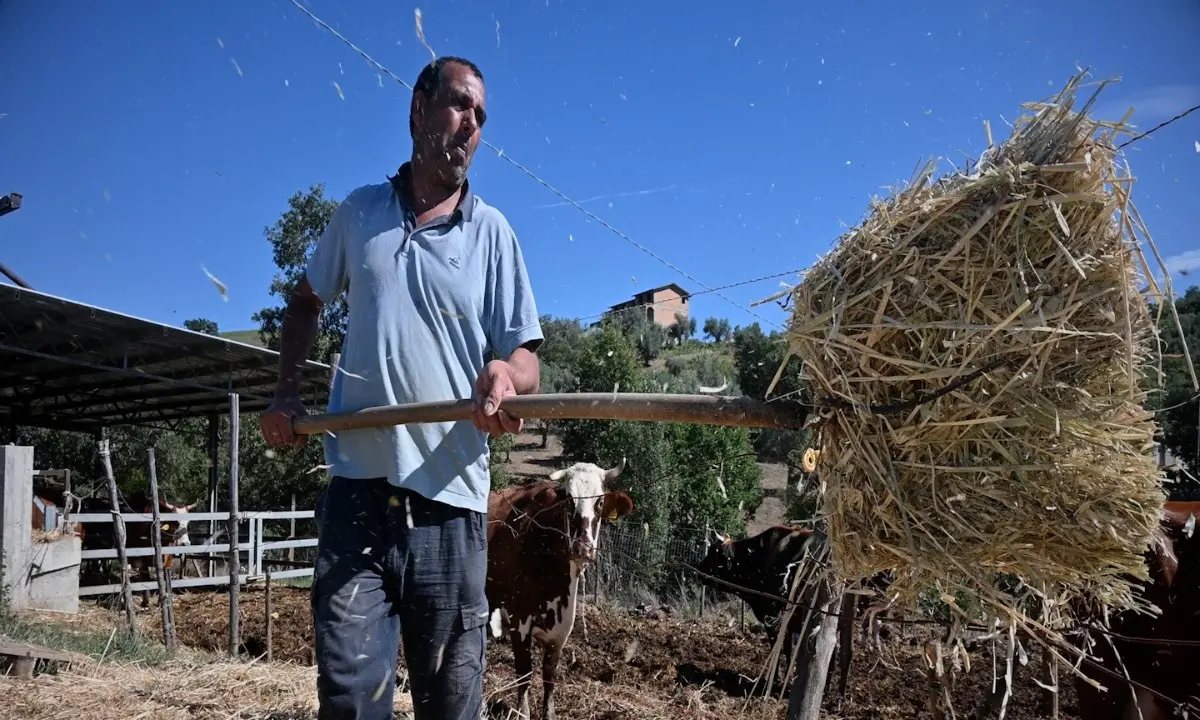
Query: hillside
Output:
(249,337)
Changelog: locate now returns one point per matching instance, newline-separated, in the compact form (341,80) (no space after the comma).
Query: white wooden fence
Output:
(253,550)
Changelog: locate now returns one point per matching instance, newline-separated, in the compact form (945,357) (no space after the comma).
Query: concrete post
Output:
(16,521)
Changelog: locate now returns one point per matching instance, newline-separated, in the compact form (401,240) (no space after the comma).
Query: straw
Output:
(1024,271)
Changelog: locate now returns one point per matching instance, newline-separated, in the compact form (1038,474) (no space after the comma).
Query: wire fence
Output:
(637,567)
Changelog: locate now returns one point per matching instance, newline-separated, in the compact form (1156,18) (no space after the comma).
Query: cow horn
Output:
(615,472)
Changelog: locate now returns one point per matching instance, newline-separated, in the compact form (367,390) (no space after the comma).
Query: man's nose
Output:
(469,124)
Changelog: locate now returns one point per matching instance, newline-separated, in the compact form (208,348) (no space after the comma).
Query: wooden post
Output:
(232,525)
(808,689)
(164,594)
(270,620)
(292,534)
(23,667)
(214,475)
(1050,697)
(118,534)
(707,529)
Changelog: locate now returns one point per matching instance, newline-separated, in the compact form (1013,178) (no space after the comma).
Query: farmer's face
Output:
(449,124)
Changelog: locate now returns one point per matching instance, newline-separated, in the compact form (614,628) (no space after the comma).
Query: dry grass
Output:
(179,690)
(1024,281)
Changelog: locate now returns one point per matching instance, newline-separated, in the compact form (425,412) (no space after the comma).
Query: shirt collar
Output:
(466,200)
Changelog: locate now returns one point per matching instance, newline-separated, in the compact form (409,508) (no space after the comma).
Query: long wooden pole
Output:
(232,525)
(118,534)
(160,574)
(270,619)
(649,407)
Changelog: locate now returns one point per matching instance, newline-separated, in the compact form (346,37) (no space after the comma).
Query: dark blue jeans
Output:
(391,562)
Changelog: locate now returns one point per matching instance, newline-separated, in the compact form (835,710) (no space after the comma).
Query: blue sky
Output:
(734,140)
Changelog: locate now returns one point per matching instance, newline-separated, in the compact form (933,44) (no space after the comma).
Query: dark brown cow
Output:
(1172,670)
(540,537)
(759,569)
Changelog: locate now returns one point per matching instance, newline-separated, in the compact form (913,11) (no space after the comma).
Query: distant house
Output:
(659,304)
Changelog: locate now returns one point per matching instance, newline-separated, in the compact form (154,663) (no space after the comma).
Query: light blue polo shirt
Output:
(427,306)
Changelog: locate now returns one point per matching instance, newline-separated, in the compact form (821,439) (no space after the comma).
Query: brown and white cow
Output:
(99,536)
(1168,669)
(540,538)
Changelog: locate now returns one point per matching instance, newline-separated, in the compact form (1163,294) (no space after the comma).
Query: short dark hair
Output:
(429,82)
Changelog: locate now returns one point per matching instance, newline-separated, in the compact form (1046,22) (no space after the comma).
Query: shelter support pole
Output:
(118,534)
(234,565)
(214,478)
(160,574)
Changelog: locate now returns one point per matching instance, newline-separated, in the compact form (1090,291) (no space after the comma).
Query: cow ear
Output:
(616,505)
(558,475)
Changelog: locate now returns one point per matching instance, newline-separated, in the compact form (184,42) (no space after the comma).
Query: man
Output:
(436,281)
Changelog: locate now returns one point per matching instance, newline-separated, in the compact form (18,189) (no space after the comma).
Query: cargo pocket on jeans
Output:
(475,615)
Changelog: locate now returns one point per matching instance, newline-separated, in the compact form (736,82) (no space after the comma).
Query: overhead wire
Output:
(1159,126)
(565,198)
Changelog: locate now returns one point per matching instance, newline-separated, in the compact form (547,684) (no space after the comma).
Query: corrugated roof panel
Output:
(72,365)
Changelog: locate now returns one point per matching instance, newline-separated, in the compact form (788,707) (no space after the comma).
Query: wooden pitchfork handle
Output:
(651,407)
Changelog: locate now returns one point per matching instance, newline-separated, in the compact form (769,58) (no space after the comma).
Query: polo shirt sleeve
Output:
(510,318)
(326,269)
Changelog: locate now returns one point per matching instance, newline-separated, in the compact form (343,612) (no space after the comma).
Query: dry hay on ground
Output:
(216,691)
(202,622)
(676,667)
(1021,280)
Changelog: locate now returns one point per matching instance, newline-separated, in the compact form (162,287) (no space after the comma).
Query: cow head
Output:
(177,531)
(719,561)
(583,491)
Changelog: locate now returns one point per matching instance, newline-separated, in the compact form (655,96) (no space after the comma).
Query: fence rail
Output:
(252,548)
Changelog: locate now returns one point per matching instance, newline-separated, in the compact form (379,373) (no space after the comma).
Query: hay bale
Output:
(1015,286)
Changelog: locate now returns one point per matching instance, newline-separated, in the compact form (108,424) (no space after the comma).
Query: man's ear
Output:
(616,505)
(416,111)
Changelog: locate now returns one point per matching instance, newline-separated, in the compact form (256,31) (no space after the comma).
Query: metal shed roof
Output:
(72,366)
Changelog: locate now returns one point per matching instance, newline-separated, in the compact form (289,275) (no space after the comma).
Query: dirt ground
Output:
(636,665)
(676,667)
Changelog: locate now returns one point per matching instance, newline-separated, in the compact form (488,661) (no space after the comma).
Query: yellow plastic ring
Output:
(809,461)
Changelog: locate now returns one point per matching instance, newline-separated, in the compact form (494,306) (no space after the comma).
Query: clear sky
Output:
(150,139)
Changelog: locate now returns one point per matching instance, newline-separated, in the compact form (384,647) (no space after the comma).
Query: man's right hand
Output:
(276,422)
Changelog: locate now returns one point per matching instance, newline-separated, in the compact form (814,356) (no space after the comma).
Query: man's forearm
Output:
(526,371)
(297,334)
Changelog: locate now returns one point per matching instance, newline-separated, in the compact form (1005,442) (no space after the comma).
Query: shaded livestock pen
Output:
(69,366)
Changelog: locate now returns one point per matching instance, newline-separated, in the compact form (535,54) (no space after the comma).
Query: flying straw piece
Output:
(220,285)
(421,34)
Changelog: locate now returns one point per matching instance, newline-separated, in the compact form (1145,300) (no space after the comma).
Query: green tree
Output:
(293,238)
(682,329)
(675,472)
(563,341)
(717,329)
(1175,402)
(757,357)
(201,325)
(647,336)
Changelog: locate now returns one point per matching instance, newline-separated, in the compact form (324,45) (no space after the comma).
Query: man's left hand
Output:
(493,385)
